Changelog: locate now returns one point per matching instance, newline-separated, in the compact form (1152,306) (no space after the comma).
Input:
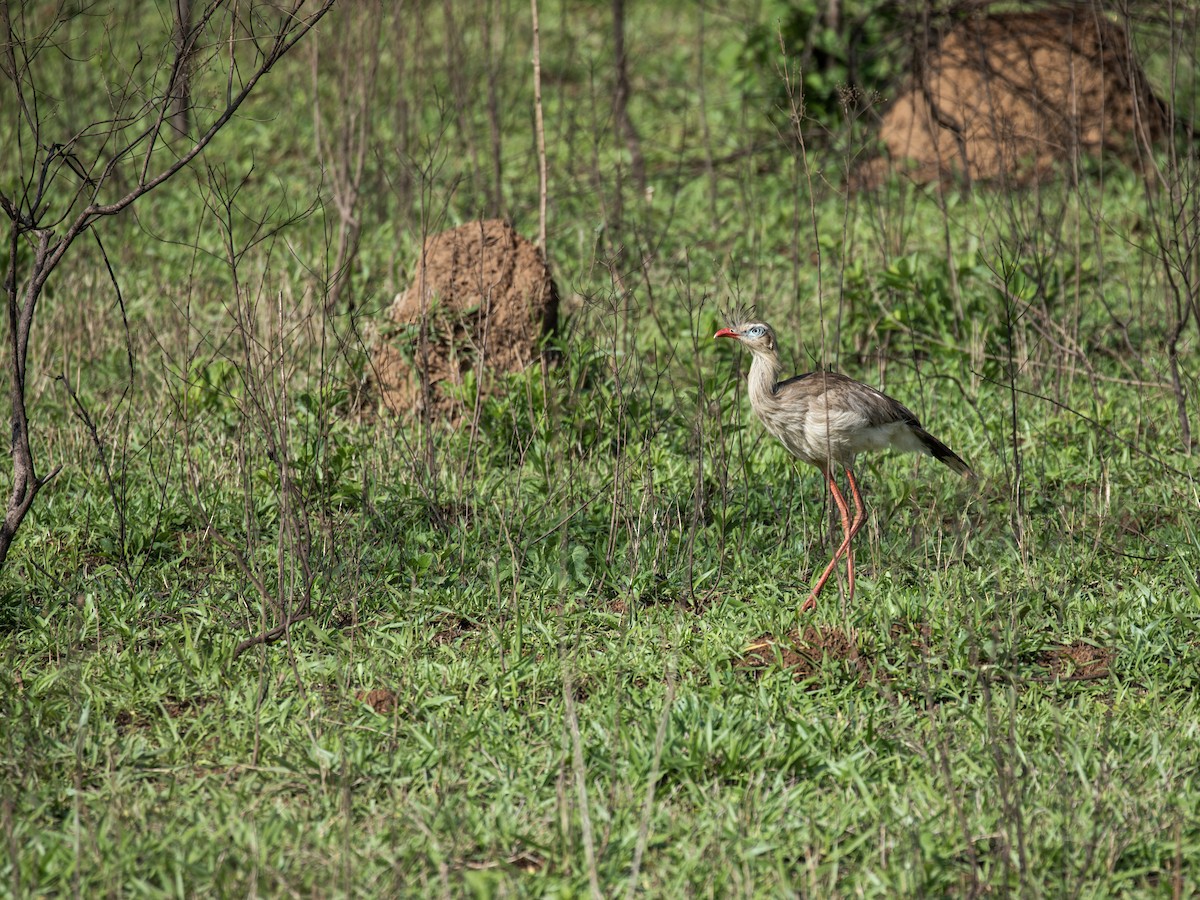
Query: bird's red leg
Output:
(851,527)
(860,517)
(844,510)
(860,510)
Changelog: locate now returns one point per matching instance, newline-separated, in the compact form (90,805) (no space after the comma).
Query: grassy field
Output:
(526,672)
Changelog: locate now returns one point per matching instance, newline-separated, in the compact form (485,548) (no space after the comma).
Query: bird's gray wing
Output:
(873,408)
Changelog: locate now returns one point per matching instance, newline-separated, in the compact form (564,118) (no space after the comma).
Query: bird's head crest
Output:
(742,314)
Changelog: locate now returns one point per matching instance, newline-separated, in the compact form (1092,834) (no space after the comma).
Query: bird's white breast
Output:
(820,436)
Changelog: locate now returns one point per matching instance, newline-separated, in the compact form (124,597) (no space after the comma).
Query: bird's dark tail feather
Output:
(942,453)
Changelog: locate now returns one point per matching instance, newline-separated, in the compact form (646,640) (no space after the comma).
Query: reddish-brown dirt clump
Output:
(480,302)
(808,654)
(381,700)
(1013,94)
(1079,661)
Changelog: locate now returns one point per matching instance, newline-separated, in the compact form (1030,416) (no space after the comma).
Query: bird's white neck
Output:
(764,375)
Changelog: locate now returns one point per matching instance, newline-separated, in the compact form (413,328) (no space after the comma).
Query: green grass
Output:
(554,607)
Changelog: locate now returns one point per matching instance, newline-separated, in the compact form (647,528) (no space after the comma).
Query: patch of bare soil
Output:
(522,860)
(177,707)
(662,593)
(1013,94)
(916,636)
(453,628)
(825,654)
(1077,661)
(819,652)
(381,700)
(481,301)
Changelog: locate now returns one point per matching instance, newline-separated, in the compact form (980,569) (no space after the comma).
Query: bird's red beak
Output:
(727,332)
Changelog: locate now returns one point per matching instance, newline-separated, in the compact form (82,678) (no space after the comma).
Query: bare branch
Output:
(31,222)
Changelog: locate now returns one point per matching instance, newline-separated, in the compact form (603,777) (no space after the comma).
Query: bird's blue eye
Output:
(756,331)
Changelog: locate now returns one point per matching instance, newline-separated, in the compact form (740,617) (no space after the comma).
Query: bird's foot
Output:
(810,603)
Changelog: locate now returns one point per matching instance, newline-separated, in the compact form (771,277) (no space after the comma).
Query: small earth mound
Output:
(1012,94)
(381,700)
(481,301)
(1078,661)
(810,654)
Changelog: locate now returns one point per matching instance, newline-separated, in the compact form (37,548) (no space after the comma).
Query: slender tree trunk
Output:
(493,111)
(22,304)
(540,128)
(181,101)
(621,99)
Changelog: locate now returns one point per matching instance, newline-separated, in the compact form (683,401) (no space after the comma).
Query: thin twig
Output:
(660,739)
(585,819)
